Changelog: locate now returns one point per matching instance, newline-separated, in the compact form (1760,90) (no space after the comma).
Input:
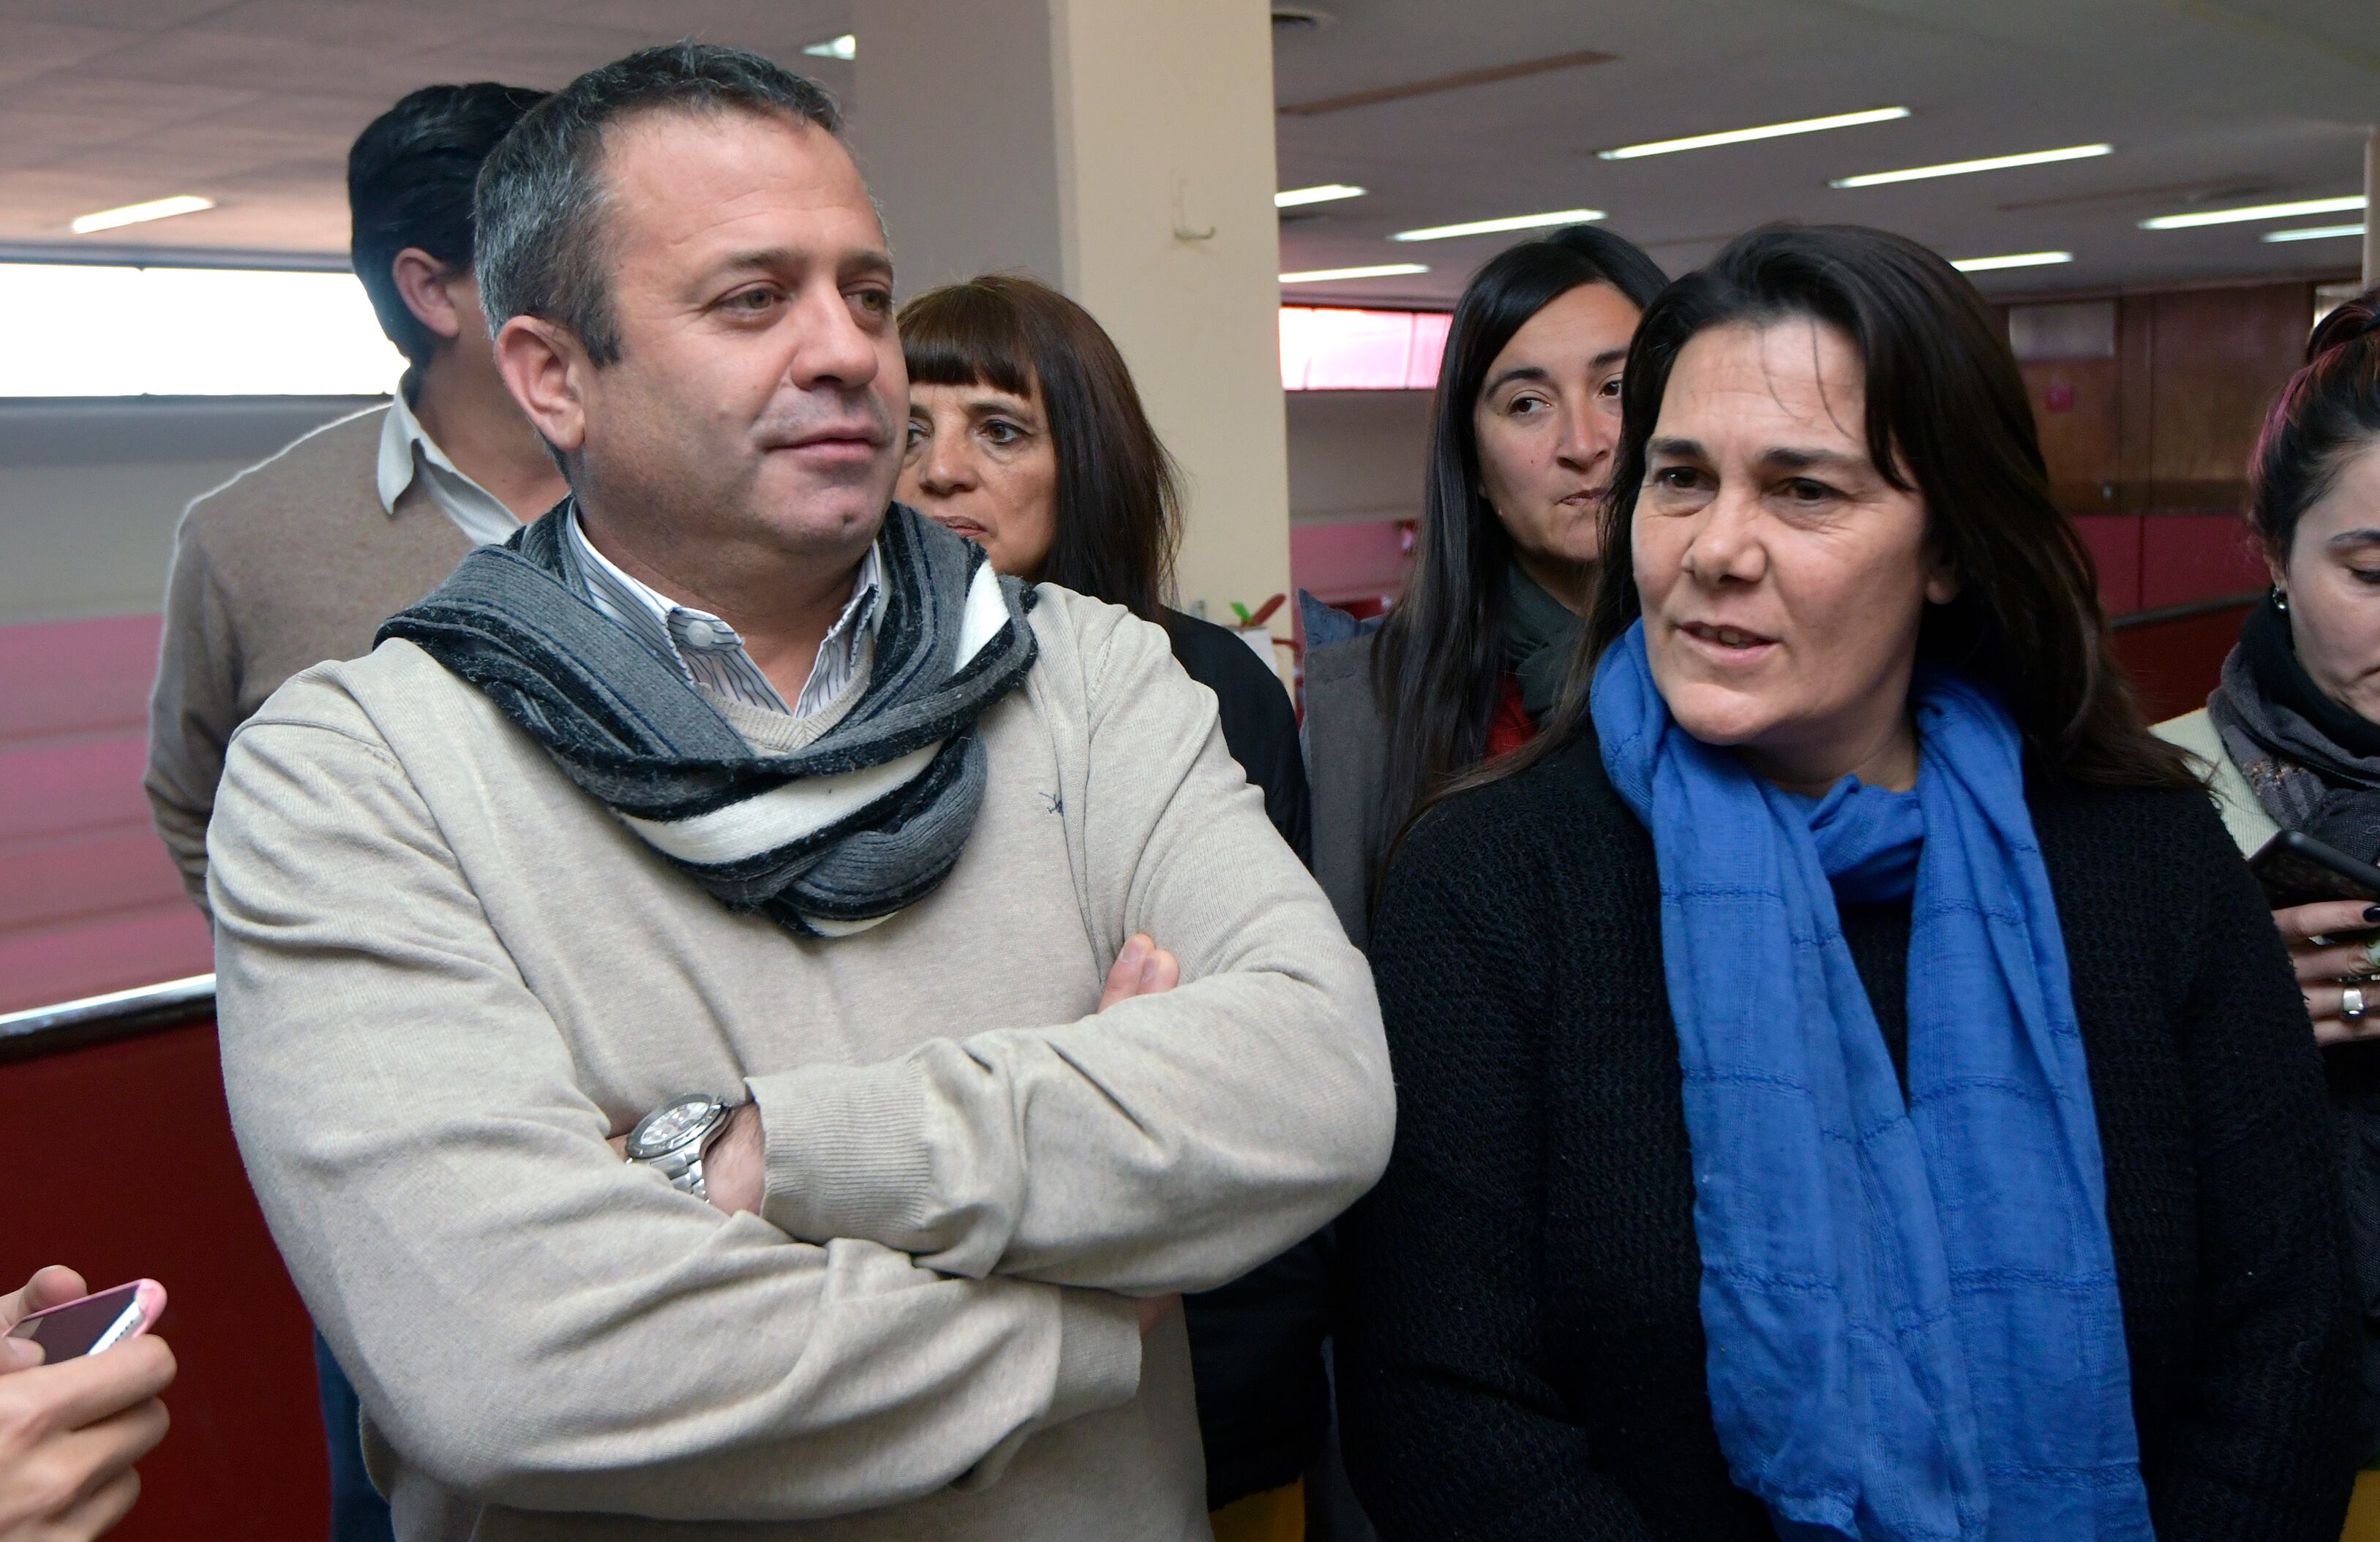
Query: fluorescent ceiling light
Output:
(1382,270)
(1290,197)
(2258,212)
(1767,132)
(134,213)
(1509,221)
(843,47)
(2311,233)
(2013,260)
(1960,168)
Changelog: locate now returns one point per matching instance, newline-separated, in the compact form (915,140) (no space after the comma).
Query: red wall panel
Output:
(2196,556)
(2115,544)
(2174,664)
(155,1188)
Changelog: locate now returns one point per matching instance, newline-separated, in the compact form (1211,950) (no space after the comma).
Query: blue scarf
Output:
(1910,1306)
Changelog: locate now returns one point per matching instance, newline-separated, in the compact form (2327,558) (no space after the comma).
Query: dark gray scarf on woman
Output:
(2313,764)
(1540,636)
(829,840)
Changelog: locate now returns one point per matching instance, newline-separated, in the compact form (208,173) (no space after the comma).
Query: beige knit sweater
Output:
(446,975)
(292,561)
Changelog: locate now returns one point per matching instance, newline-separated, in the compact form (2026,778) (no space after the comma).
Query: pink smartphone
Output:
(98,1321)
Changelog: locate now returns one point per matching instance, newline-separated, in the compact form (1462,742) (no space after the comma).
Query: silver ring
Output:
(2350,1003)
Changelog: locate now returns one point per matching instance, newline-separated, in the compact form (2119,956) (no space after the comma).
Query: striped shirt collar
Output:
(709,653)
(406,452)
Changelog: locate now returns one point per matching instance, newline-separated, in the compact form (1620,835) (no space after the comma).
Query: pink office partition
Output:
(89,902)
(1328,349)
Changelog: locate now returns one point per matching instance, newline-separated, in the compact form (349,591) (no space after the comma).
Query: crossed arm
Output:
(735,1165)
(418,1134)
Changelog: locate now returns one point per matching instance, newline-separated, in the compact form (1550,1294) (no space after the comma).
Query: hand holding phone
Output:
(70,1431)
(92,1323)
(2295,869)
(2326,904)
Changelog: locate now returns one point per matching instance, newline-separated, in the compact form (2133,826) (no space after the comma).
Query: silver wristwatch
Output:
(672,1139)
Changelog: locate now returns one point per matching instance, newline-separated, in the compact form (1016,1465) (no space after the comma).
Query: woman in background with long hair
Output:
(1469,662)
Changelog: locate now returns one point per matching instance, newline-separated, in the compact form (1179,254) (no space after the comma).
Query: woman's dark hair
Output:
(1440,655)
(1118,495)
(2328,410)
(409,178)
(1946,417)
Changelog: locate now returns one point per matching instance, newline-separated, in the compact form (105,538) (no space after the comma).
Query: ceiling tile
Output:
(122,16)
(34,48)
(78,94)
(536,55)
(103,102)
(766,25)
(328,120)
(256,63)
(346,24)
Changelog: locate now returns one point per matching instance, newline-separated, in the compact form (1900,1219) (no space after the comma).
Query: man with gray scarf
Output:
(731,817)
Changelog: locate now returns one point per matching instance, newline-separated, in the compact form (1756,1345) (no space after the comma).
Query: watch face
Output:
(669,1126)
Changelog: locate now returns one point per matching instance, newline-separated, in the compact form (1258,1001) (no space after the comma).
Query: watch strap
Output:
(683,1166)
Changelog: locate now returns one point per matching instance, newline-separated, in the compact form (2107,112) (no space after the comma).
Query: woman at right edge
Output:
(1848,1087)
(2292,739)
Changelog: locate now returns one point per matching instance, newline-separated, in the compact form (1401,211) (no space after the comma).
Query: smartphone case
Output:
(146,1303)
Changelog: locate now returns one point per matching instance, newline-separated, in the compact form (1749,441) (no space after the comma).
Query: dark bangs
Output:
(966,334)
(1118,496)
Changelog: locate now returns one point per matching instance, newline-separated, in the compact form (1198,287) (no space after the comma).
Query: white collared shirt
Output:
(710,652)
(406,452)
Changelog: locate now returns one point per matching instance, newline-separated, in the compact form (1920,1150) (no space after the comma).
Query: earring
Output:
(2280,600)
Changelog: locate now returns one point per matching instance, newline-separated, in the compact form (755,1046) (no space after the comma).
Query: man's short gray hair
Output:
(541,248)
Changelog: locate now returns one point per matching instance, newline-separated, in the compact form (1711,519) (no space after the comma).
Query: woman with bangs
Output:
(1026,436)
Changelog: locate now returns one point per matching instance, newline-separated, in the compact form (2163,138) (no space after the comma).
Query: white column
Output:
(1122,149)
(2371,206)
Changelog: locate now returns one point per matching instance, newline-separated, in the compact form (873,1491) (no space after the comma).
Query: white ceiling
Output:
(254,103)
(2242,101)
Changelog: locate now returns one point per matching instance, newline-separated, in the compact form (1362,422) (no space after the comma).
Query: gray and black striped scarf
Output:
(2313,764)
(827,840)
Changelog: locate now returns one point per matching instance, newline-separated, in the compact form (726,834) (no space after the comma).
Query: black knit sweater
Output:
(1523,1352)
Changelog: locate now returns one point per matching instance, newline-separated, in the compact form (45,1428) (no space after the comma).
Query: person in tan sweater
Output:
(300,558)
(728,778)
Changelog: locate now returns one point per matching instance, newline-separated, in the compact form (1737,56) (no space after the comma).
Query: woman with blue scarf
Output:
(1848,1087)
